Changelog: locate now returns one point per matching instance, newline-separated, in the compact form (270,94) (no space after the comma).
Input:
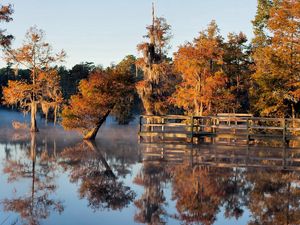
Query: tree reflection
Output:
(39,168)
(151,204)
(201,191)
(98,184)
(274,198)
(236,189)
(198,192)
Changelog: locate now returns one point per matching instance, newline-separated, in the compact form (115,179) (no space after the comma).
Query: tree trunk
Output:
(55,115)
(33,117)
(201,108)
(91,135)
(293,111)
(196,105)
(209,107)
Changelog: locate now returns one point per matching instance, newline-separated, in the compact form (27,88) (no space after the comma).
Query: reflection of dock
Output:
(248,156)
(239,127)
(171,153)
(223,156)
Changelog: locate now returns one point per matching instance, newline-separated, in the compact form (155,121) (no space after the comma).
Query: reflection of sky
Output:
(244,219)
(106,31)
(117,144)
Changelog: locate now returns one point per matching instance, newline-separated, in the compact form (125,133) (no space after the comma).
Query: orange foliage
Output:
(277,64)
(43,86)
(96,98)
(203,80)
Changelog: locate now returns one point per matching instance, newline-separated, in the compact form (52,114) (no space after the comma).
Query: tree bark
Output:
(201,108)
(33,117)
(91,135)
(55,115)
(196,105)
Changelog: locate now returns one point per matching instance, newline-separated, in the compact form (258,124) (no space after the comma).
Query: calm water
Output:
(55,178)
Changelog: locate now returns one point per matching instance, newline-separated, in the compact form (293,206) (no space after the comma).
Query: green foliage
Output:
(277,71)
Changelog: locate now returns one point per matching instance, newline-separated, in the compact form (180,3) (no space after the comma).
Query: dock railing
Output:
(190,127)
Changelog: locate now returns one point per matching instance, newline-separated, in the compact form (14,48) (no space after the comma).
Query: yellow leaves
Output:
(199,64)
(17,92)
(277,64)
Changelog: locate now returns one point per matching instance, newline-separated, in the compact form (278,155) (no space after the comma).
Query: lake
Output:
(54,177)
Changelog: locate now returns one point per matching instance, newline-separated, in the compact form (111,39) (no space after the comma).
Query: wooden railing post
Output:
(140,128)
(192,125)
(141,123)
(163,122)
(284,132)
(248,131)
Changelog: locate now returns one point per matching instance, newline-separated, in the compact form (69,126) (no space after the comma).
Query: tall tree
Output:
(236,66)
(203,80)
(158,80)
(5,16)
(260,22)
(277,64)
(37,56)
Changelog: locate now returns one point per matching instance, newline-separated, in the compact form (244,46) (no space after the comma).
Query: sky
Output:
(105,31)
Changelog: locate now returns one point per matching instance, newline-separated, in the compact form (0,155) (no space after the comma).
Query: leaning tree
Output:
(97,97)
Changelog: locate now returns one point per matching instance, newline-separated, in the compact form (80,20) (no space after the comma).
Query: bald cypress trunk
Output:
(33,117)
(91,135)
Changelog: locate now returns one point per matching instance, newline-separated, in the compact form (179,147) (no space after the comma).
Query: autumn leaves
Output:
(208,75)
(42,88)
(211,74)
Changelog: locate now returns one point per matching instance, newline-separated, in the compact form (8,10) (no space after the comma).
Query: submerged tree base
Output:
(91,135)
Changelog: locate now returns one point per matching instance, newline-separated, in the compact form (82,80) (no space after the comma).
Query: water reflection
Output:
(121,182)
(37,167)
(98,183)
(215,180)
(151,205)
(274,197)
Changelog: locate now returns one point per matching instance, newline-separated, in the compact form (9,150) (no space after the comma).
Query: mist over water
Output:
(53,177)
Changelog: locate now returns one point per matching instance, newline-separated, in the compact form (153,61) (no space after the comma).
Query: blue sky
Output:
(104,31)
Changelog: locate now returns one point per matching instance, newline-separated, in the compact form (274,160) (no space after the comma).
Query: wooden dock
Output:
(238,127)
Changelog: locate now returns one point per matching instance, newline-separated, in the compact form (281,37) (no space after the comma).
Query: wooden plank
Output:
(167,125)
(235,114)
(166,134)
(266,127)
(228,165)
(182,117)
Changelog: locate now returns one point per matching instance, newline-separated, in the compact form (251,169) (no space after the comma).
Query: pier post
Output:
(192,125)
(140,128)
(284,132)
(248,132)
